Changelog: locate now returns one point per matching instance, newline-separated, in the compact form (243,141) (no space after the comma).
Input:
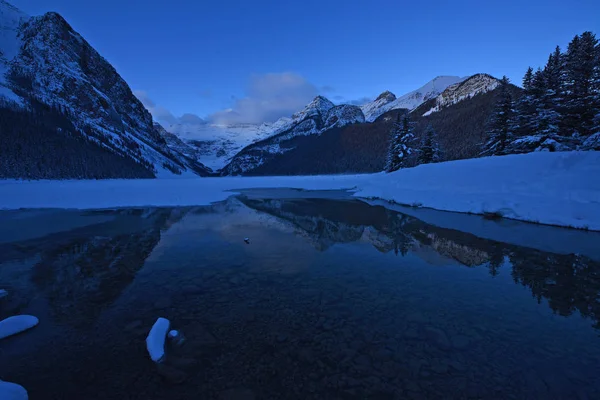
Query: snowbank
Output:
(551,188)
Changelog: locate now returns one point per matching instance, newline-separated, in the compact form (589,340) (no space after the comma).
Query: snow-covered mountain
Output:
(43,60)
(472,86)
(216,145)
(318,116)
(386,101)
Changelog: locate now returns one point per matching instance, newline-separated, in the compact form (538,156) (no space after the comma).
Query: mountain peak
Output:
(320,101)
(465,89)
(387,96)
(318,106)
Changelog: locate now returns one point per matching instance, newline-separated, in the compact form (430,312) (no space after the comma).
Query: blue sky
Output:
(265,58)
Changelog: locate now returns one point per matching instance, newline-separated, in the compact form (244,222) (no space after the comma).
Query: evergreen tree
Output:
(400,144)
(553,71)
(547,118)
(581,63)
(500,130)
(430,148)
(525,108)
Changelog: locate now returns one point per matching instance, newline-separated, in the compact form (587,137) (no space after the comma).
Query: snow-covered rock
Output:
(530,143)
(316,108)
(17,324)
(12,391)
(592,142)
(155,342)
(470,87)
(386,101)
(343,115)
(376,107)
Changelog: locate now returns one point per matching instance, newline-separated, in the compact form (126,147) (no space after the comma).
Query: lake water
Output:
(331,299)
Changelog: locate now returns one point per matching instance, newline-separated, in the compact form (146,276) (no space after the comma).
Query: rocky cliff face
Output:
(44,60)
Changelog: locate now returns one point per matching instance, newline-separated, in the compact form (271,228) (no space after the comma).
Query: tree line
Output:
(40,141)
(558,110)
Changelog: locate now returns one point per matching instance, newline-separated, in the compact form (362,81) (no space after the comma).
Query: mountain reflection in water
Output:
(331,299)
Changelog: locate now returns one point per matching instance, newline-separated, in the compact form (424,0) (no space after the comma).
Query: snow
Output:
(155,342)
(19,323)
(222,142)
(12,391)
(10,18)
(410,100)
(464,89)
(556,188)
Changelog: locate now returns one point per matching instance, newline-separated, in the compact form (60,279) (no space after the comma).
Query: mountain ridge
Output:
(45,60)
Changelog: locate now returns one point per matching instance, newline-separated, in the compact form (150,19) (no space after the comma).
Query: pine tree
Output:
(430,148)
(525,108)
(547,119)
(580,66)
(596,92)
(400,144)
(500,131)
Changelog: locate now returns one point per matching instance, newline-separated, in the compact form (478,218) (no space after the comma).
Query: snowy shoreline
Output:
(561,189)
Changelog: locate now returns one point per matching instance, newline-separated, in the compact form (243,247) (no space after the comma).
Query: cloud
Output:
(268,98)
(164,116)
(338,97)
(361,101)
(327,89)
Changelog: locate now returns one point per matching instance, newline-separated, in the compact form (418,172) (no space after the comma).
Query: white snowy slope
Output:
(556,188)
(411,100)
(214,145)
(473,85)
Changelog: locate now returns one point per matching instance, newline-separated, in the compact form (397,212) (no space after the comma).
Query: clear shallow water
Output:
(331,299)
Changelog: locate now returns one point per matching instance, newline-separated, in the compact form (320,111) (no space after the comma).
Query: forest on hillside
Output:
(40,142)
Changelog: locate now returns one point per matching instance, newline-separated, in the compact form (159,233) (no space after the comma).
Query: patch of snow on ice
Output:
(12,391)
(155,342)
(17,324)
